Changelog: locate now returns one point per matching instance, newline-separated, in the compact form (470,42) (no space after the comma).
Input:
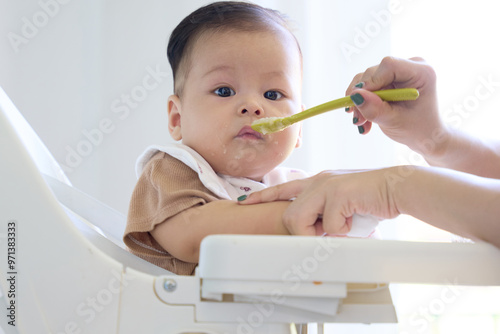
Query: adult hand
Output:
(414,123)
(335,196)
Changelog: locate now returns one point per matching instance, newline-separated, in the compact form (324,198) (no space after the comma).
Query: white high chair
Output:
(64,268)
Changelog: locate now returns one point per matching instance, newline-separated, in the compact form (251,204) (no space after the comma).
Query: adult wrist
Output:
(400,187)
(435,148)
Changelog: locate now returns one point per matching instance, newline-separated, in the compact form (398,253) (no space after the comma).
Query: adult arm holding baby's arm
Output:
(461,203)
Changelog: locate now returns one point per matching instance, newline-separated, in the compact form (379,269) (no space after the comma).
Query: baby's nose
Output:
(254,110)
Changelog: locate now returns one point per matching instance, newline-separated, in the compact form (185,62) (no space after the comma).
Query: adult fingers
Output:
(337,217)
(301,216)
(281,192)
(358,80)
(365,128)
(397,73)
(371,107)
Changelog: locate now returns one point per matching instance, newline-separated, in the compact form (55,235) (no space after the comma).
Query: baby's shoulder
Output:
(162,161)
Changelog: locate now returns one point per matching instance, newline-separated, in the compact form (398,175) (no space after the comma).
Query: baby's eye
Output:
(273,95)
(224,92)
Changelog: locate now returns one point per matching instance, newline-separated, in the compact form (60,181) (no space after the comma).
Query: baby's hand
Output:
(414,123)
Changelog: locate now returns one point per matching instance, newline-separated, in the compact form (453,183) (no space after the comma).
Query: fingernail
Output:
(357,99)
(361,129)
(347,108)
(355,120)
(242,198)
(359,84)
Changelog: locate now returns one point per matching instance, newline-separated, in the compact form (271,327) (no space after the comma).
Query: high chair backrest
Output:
(40,210)
(43,159)
(42,236)
(101,224)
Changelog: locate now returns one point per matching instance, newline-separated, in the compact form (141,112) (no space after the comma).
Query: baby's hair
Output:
(217,17)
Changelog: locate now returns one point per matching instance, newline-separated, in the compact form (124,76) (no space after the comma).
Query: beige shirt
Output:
(165,188)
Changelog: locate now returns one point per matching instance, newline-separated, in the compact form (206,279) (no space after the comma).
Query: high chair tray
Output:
(327,259)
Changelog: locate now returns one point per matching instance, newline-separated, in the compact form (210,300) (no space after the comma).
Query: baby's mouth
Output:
(249,133)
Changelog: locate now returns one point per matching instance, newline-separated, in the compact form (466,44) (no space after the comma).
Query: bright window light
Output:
(459,39)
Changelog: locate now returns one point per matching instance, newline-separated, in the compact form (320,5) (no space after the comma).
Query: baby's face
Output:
(233,79)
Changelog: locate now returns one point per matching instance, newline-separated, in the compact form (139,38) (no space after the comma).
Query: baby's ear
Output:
(299,137)
(174,117)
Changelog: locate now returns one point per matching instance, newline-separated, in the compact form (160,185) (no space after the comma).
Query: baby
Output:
(233,63)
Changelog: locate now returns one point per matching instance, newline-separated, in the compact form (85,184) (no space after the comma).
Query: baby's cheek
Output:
(287,138)
(279,148)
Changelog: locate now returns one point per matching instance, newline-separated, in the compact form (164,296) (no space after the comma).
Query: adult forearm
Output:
(458,202)
(459,151)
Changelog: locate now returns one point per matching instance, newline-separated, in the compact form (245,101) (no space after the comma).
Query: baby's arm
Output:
(181,234)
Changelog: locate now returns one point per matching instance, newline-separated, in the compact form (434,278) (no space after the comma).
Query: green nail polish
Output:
(359,85)
(355,120)
(242,198)
(361,129)
(357,99)
(347,108)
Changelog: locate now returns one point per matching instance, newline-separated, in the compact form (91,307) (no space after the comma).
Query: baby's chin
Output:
(244,169)
(247,162)
(244,172)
